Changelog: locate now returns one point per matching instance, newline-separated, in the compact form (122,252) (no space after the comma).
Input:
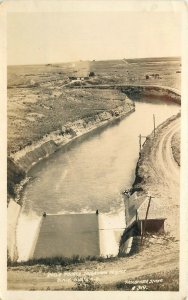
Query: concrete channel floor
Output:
(68,235)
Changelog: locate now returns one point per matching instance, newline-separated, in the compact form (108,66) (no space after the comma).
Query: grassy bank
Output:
(35,112)
(62,261)
(97,273)
(162,281)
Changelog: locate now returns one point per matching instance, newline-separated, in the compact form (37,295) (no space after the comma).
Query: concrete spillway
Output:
(68,235)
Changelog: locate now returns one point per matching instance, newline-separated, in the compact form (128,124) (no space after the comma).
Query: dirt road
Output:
(161,174)
(166,165)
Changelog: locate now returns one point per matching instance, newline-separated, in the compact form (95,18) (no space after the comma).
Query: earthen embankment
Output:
(24,159)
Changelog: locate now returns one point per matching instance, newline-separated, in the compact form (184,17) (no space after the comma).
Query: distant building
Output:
(79,76)
(91,74)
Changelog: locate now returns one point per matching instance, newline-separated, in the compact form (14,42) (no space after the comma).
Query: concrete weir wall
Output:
(12,219)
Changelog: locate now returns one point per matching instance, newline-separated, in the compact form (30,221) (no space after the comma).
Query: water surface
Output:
(90,175)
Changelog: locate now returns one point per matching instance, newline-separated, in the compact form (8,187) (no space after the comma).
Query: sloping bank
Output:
(138,91)
(148,179)
(21,162)
(142,174)
(163,92)
(167,93)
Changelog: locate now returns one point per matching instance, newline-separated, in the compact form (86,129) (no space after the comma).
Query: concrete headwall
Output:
(12,219)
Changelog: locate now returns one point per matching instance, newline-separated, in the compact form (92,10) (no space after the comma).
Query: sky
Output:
(36,38)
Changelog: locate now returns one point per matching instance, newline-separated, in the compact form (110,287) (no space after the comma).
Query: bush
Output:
(85,284)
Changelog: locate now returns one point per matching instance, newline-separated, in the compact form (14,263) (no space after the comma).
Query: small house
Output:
(156,217)
(136,208)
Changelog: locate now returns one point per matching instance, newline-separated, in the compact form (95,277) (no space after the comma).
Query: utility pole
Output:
(154,124)
(140,142)
(145,221)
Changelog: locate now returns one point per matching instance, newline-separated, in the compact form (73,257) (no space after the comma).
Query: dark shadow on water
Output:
(76,142)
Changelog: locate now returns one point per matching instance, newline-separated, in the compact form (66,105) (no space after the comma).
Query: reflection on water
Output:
(92,174)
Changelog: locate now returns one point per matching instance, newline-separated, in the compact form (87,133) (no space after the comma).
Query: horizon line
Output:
(89,60)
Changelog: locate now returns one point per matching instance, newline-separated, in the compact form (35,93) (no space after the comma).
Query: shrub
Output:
(85,284)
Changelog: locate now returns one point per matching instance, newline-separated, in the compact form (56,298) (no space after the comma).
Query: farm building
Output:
(155,219)
(143,214)
(136,208)
(79,76)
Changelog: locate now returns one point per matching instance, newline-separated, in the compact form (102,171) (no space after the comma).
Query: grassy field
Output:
(162,281)
(39,100)
(34,112)
(134,71)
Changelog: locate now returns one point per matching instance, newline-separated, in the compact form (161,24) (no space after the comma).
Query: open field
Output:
(134,71)
(39,100)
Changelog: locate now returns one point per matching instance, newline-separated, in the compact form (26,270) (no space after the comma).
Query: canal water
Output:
(90,175)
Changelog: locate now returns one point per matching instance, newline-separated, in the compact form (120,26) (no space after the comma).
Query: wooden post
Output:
(154,124)
(145,221)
